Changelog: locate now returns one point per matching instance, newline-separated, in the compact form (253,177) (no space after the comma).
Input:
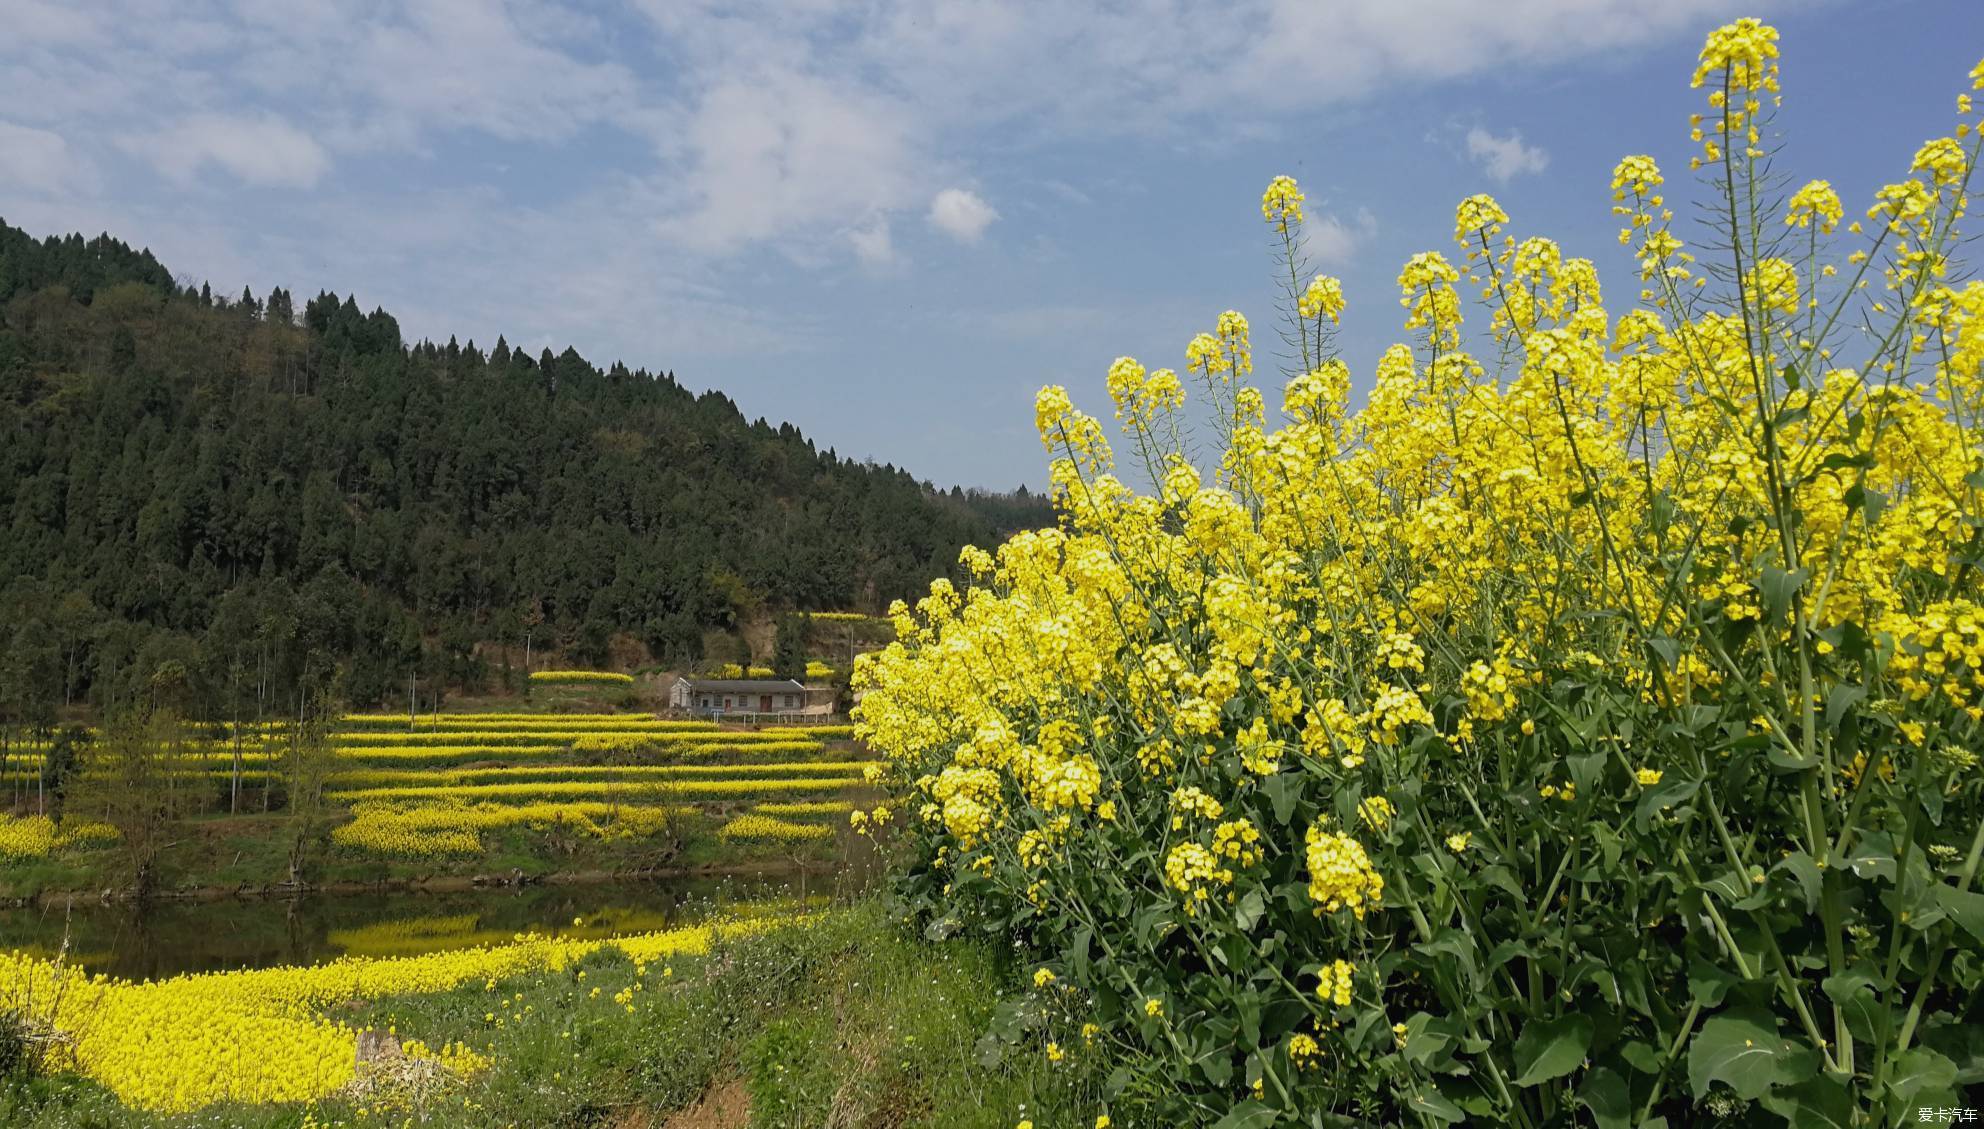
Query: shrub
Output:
(1590,739)
(16,1050)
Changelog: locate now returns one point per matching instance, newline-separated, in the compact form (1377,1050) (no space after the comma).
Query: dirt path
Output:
(726,1105)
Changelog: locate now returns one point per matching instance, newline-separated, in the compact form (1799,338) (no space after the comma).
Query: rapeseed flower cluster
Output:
(580,678)
(1619,592)
(35,836)
(766,828)
(190,1041)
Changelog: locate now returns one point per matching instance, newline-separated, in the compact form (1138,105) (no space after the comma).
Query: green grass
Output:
(845,1015)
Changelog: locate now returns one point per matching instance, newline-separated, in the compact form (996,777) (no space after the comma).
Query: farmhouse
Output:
(738,695)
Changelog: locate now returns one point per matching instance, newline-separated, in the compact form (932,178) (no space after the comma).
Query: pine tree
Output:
(789,648)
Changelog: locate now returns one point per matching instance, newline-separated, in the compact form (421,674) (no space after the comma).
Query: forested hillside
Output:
(260,491)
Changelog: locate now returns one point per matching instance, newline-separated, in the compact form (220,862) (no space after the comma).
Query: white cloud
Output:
(38,160)
(872,244)
(961,214)
(468,63)
(786,156)
(41,23)
(262,150)
(1067,192)
(1331,240)
(1504,158)
(792,123)
(942,75)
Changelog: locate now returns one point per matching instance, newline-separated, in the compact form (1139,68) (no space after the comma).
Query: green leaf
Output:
(1707,983)
(1217,1063)
(1781,757)
(1641,1057)
(1662,796)
(1501,878)
(1249,1114)
(1605,1094)
(1249,910)
(1283,790)
(1799,865)
(1454,943)
(1963,1045)
(1435,1105)
(1843,698)
(1731,886)
(1584,770)
(1921,1069)
(1078,955)
(1551,1049)
(1839,460)
(1872,503)
(1818,1101)
(1777,589)
(1505,952)
(1964,907)
(1152,926)
(1852,992)
(1740,1048)
(1426,1038)
(1666,650)
(1872,857)
(1931,800)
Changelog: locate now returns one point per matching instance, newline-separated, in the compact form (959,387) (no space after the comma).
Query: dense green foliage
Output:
(262,491)
(789,649)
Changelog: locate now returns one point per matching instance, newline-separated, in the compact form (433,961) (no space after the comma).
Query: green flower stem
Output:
(1715,915)
(1543,906)
(1667,1060)
(1935,964)
(1898,932)
(1786,980)
(1448,997)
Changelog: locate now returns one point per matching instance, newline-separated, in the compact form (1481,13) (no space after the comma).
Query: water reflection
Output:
(173,937)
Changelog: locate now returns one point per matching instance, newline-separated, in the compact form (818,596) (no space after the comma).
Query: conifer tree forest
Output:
(258,494)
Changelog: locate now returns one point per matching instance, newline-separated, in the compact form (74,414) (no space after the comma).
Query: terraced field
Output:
(432,787)
(436,786)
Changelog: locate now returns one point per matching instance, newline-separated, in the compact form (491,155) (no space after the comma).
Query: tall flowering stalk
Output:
(1601,702)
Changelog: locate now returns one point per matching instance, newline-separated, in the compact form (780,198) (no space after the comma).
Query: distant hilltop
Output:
(252,492)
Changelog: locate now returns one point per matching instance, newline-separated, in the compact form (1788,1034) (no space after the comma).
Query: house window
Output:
(789,702)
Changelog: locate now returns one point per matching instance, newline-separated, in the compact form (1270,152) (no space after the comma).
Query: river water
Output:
(165,938)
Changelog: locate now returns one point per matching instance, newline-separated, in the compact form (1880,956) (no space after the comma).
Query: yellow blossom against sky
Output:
(743,197)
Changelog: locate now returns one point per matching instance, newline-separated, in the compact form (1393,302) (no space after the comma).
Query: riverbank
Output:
(166,938)
(841,1015)
(478,797)
(221,857)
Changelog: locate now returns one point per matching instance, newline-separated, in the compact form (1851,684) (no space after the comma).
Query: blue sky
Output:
(890,222)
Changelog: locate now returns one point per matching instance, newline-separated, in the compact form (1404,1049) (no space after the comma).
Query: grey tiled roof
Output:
(743,685)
